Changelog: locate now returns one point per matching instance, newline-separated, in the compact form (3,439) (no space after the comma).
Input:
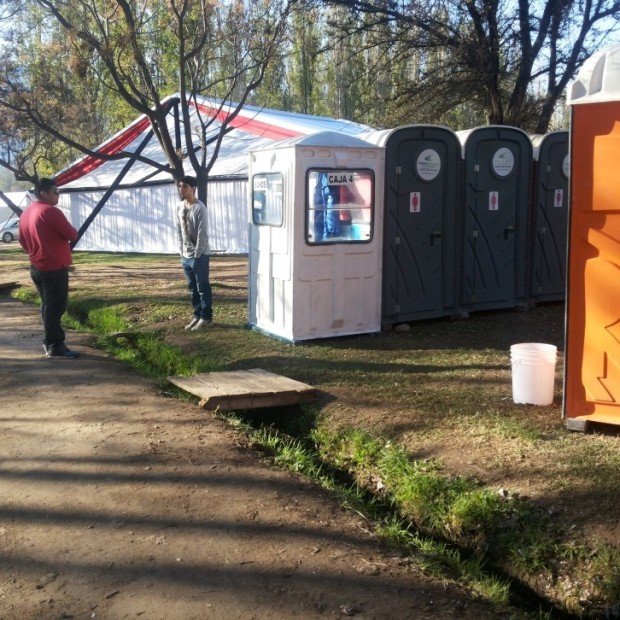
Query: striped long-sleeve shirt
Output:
(192,229)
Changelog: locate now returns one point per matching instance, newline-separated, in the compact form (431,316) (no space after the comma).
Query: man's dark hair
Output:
(43,185)
(189,180)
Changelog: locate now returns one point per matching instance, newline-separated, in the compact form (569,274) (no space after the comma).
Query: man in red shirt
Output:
(45,233)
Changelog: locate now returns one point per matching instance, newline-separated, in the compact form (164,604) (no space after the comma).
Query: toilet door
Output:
(415,230)
(490,224)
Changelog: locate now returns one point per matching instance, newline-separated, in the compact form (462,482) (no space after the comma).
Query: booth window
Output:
(339,206)
(267,199)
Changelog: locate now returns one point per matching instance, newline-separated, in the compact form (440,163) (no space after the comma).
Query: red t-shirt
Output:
(45,233)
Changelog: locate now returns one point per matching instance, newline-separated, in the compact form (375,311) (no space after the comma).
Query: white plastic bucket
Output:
(533,372)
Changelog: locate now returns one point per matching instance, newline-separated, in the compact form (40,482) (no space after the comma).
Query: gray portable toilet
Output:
(316,237)
(493,224)
(422,179)
(548,245)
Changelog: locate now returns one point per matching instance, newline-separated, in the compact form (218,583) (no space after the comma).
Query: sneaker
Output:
(60,351)
(200,323)
(192,323)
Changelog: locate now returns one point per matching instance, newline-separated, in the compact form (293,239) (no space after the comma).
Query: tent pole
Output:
(10,204)
(111,189)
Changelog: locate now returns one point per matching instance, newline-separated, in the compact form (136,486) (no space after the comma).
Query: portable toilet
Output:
(493,225)
(422,181)
(549,230)
(592,353)
(316,237)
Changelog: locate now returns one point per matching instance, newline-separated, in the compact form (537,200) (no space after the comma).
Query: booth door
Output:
(415,233)
(551,224)
(592,371)
(490,226)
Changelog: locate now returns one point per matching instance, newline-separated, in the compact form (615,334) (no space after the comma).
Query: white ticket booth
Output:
(316,237)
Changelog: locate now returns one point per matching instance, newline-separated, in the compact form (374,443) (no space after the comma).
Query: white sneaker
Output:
(193,322)
(200,324)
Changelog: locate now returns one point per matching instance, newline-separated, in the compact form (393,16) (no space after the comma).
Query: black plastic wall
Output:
(494,223)
(422,188)
(549,226)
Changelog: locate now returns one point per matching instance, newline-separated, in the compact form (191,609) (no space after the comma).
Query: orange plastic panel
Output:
(592,376)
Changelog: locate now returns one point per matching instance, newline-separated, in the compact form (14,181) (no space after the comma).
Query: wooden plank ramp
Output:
(245,389)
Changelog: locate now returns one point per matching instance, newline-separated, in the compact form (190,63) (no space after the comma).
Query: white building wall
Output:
(229,216)
(143,219)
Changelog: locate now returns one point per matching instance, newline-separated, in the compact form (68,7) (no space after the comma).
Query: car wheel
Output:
(7,237)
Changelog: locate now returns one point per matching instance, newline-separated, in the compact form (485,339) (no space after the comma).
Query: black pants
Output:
(53,287)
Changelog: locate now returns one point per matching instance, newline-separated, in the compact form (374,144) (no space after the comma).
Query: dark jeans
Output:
(197,275)
(53,287)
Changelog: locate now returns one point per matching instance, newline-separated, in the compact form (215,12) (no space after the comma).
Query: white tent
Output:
(139,214)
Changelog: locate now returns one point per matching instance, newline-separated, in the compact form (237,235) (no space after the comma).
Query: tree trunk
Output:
(542,126)
(202,180)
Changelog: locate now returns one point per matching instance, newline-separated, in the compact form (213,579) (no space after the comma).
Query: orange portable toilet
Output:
(592,354)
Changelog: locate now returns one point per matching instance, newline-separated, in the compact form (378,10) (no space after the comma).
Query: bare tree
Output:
(513,59)
(24,151)
(125,39)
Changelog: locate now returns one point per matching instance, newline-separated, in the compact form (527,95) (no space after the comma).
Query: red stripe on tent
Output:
(115,145)
(258,128)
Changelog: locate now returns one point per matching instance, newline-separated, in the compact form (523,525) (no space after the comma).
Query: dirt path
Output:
(117,502)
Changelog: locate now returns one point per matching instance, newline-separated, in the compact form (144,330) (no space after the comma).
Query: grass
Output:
(119,258)
(419,433)
(435,557)
(494,422)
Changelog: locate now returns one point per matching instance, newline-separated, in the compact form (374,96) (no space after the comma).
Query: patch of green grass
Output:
(509,532)
(151,357)
(164,311)
(497,423)
(439,559)
(102,320)
(146,352)
(605,566)
(289,453)
(121,258)
(476,510)
(28,295)
(83,313)
(433,556)
(531,541)
(443,505)
(439,504)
